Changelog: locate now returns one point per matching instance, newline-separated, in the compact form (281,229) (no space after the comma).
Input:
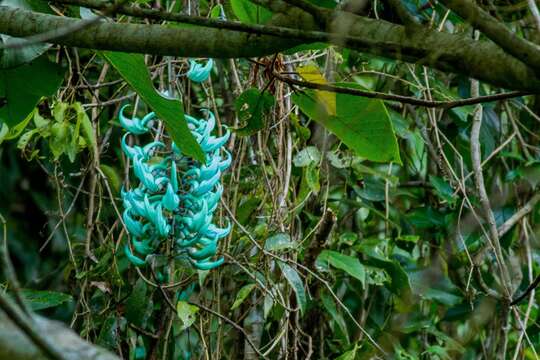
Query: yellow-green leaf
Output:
(311,73)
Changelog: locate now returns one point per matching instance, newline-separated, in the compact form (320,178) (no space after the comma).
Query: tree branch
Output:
(14,343)
(520,48)
(447,52)
(26,325)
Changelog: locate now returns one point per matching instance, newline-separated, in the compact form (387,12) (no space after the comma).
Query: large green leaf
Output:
(133,69)
(41,299)
(362,124)
(22,87)
(349,264)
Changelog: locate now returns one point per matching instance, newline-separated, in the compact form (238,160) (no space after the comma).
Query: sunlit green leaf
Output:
(362,124)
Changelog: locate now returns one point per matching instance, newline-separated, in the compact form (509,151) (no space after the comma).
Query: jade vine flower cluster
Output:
(176,196)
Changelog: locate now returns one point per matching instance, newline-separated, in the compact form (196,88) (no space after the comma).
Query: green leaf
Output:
(349,355)
(330,307)
(351,265)
(399,280)
(109,334)
(250,106)
(296,283)
(112,177)
(138,305)
(23,86)
(40,299)
(311,174)
(250,13)
(133,69)
(242,295)
(279,241)
(86,126)
(187,313)
(307,156)
(443,189)
(362,124)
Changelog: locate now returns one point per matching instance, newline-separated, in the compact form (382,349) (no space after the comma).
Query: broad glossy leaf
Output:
(133,69)
(22,87)
(362,124)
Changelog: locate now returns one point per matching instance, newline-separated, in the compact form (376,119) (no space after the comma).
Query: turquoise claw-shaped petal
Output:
(174,177)
(224,165)
(142,247)
(193,173)
(130,152)
(183,243)
(207,265)
(206,252)
(212,143)
(206,185)
(197,220)
(210,124)
(170,200)
(198,72)
(132,258)
(213,198)
(206,172)
(147,118)
(134,125)
(134,227)
(144,174)
(134,202)
(215,232)
(147,149)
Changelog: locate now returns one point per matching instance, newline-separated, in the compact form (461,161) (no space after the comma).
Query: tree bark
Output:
(15,345)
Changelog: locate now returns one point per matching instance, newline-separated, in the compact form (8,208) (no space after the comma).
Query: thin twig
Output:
(400,98)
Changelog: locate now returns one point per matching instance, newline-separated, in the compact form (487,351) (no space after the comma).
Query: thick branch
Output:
(14,343)
(520,48)
(446,52)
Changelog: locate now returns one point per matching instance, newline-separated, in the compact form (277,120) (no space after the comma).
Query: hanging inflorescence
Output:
(176,196)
